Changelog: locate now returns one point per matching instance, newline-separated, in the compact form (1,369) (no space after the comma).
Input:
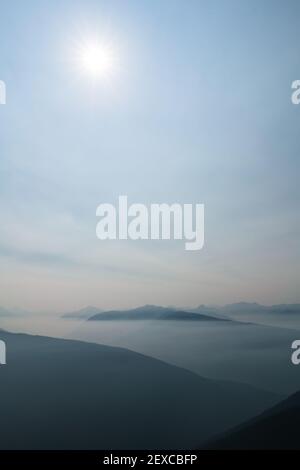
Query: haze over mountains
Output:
(84,395)
(82,314)
(4,312)
(237,310)
(240,311)
(59,394)
(250,348)
(152,312)
(281,315)
(241,308)
(12,312)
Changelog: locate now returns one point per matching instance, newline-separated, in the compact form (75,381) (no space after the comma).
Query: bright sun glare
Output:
(97,60)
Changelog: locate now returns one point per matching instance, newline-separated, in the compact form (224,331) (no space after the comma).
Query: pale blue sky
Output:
(199,110)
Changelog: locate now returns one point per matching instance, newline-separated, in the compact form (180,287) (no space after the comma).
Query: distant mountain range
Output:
(5,312)
(62,394)
(152,312)
(201,313)
(248,308)
(82,314)
(156,312)
(277,428)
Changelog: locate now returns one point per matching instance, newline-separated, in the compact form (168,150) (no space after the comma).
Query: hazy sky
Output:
(198,110)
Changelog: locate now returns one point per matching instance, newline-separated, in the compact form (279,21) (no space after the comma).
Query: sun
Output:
(97,59)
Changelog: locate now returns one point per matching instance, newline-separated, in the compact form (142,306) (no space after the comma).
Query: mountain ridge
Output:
(152,312)
(275,428)
(66,394)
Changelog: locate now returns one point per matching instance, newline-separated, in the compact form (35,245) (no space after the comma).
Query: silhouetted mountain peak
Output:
(152,312)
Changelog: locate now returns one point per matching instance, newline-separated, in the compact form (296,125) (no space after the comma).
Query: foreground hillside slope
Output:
(61,394)
(277,428)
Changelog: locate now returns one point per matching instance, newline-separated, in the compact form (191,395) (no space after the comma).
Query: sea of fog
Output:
(255,354)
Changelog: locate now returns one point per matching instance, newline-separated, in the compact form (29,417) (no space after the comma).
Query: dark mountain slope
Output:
(277,428)
(60,394)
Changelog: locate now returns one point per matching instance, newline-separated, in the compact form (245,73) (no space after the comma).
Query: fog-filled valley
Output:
(236,349)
